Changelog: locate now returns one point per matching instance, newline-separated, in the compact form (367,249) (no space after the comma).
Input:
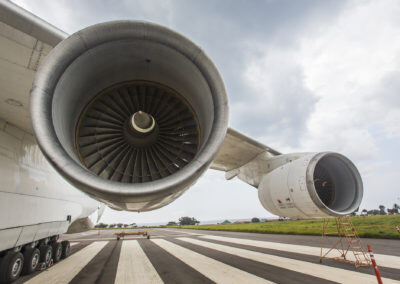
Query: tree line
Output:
(381,211)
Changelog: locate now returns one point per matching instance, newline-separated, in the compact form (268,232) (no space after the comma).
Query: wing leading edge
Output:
(237,150)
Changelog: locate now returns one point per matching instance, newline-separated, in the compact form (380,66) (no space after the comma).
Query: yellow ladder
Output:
(346,240)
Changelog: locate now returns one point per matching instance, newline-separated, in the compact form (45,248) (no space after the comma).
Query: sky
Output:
(301,76)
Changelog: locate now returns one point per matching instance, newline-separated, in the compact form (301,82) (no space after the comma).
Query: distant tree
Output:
(364,212)
(126,225)
(119,225)
(382,210)
(226,222)
(112,225)
(101,225)
(396,206)
(255,220)
(133,225)
(172,223)
(188,221)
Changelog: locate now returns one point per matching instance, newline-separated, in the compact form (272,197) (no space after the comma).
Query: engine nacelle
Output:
(315,185)
(131,113)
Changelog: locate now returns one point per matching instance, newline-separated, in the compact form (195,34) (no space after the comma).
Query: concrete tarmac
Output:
(197,256)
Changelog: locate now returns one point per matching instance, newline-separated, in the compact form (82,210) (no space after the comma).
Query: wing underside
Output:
(24,42)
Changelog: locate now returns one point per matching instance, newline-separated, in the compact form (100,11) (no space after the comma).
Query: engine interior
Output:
(337,183)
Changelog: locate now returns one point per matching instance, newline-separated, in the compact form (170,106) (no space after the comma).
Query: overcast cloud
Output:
(300,75)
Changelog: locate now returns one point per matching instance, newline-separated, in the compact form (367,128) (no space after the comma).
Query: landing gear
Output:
(11,266)
(66,249)
(31,260)
(46,254)
(57,251)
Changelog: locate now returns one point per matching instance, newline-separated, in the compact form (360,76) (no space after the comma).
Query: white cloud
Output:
(352,67)
(344,66)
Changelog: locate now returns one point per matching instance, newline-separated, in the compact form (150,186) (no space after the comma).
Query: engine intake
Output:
(315,185)
(132,113)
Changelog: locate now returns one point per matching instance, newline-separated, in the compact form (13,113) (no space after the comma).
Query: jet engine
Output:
(311,186)
(131,113)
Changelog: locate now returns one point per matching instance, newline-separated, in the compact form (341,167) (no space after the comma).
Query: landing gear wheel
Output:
(66,249)
(11,266)
(57,251)
(32,257)
(46,254)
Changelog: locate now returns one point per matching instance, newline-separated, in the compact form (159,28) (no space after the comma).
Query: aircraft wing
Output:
(24,42)
(237,150)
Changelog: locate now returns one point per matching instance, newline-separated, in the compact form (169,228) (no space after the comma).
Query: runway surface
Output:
(194,256)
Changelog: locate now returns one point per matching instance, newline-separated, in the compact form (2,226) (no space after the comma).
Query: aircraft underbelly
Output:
(34,201)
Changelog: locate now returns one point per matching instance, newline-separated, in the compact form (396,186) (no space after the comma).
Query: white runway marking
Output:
(182,232)
(67,269)
(317,270)
(134,266)
(73,243)
(216,271)
(382,260)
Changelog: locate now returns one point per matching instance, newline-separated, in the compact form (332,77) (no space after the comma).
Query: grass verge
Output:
(383,227)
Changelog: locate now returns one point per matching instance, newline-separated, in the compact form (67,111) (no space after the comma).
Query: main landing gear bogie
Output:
(31,257)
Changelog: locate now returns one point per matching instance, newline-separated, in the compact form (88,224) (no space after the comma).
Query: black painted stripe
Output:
(170,268)
(266,271)
(102,268)
(380,246)
(385,271)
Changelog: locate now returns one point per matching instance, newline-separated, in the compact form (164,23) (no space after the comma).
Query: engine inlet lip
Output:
(314,194)
(66,53)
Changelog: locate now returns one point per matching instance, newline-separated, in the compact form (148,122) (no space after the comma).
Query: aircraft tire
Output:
(11,266)
(32,259)
(46,254)
(66,249)
(57,251)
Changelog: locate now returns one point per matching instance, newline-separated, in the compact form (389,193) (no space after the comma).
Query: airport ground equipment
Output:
(344,244)
(130,114)
(140,233)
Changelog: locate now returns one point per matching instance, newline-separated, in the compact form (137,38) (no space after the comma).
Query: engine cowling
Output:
(132,113)
(312,186)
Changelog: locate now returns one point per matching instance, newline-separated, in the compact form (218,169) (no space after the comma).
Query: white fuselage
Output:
(35,202)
